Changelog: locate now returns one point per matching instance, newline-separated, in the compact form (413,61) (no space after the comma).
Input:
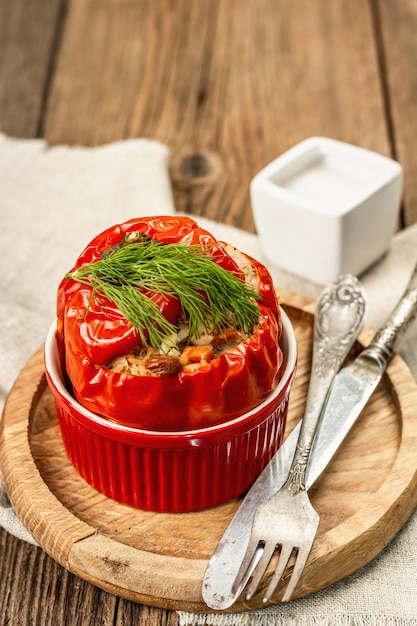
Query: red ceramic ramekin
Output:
(172,471)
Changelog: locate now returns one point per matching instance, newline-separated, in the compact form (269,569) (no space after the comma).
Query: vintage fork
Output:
(286,524)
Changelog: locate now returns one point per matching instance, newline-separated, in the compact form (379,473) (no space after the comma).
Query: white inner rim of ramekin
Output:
(53,366)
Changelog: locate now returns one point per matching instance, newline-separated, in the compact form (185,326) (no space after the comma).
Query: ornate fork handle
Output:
(339,315)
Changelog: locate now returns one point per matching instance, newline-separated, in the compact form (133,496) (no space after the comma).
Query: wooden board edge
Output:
(30,496)
(111,565)
(83,548)
(360,548)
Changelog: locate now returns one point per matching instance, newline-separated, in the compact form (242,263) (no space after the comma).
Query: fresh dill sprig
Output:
(210,296)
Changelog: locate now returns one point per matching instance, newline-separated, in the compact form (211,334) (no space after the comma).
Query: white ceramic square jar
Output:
(326,207)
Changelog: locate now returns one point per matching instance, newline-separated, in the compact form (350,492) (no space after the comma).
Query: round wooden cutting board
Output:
(365,496)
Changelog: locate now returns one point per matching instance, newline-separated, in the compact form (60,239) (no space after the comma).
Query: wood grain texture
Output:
(227,85)
(398,24)
(228,89)
(49,595)
(364,498)
(29,32)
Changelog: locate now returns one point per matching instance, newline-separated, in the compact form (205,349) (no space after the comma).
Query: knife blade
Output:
(349,394)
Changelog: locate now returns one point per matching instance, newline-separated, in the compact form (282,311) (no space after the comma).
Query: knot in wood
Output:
(195,166)
(195,169)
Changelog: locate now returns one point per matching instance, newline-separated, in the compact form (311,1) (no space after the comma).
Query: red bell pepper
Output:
(93,332)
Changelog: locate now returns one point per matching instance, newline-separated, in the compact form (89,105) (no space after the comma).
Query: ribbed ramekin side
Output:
(182,479)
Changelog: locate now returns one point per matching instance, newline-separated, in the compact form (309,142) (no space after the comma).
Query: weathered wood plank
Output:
(228,85)
(234,82)
(398,23)
(34,589)
(29,32)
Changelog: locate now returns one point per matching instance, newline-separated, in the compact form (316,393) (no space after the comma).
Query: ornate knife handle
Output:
(338,318)
(386,338)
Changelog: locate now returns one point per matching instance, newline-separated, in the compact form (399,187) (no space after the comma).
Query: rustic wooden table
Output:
(228,85)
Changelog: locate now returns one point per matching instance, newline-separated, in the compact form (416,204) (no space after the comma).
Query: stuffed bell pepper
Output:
(164,328)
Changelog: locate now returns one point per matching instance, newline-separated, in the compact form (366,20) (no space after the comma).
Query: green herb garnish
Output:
(210,296)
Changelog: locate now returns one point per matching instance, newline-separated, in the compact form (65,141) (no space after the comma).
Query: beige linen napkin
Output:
(52,202)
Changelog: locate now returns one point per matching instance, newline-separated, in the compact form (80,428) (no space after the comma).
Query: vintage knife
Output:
(350,392)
